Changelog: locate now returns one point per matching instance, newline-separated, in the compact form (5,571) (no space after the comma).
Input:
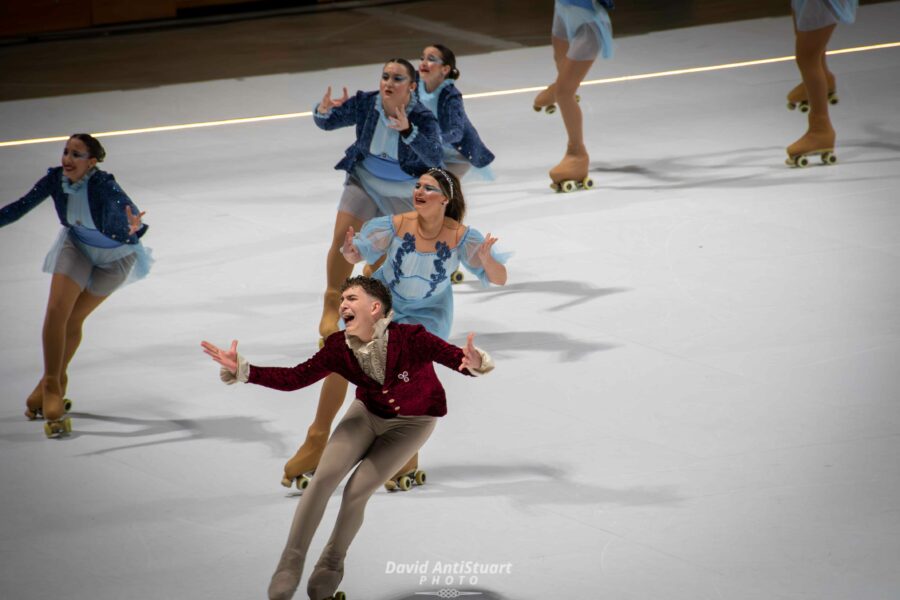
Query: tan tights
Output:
(378,448)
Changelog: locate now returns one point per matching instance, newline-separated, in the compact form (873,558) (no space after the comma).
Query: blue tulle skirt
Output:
(816,14)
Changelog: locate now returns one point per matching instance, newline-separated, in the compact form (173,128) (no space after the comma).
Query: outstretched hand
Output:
(484,249)
(349,249)
(134,220)
(226,358)
(328,102)
(471,356)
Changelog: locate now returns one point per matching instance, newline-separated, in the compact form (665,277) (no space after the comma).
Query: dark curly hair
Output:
(373,288)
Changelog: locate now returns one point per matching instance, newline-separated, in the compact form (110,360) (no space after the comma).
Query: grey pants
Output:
(381,447)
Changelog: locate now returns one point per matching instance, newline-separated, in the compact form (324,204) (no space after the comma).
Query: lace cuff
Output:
(242,375)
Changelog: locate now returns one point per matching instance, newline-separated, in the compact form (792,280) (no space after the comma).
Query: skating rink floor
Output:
(697,386)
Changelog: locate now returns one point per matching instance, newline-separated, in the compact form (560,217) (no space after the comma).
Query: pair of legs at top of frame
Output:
(813,96)
(572,171)
(67,308)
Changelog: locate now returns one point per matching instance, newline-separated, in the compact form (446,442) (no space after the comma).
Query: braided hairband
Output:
(446,178)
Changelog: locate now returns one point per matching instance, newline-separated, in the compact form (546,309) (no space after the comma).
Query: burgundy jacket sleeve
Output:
(325,361)
(432,348)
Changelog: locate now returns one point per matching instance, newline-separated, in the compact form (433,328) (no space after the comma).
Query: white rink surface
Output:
(697,382)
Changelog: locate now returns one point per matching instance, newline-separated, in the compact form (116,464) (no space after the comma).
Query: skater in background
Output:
(463,148)
(581,31)
(814,22)
(398,400)
(97,251)
(397,139)
(422,248)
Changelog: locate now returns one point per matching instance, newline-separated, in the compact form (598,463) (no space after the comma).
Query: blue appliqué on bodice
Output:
(408,246)
(440,273)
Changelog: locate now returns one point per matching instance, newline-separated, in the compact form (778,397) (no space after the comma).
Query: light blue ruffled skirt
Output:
(103,256)
(816,14)
(589,32)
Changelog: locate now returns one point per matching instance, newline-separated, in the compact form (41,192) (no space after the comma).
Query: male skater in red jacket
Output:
(398,400)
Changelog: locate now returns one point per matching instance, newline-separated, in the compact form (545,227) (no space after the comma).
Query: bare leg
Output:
(64,293)
(810,51)
(570,74)
(337,270)
(84,306)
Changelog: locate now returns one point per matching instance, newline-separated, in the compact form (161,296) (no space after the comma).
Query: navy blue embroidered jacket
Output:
(457,130)
(105,198)
(418,152)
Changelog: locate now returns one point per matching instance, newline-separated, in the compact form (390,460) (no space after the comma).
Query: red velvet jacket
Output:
(410,388)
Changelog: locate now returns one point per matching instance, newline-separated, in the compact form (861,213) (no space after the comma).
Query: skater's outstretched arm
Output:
(495,271)
(38,193)
(470,360)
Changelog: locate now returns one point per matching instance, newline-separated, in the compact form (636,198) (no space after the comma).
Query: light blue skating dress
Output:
(420,281)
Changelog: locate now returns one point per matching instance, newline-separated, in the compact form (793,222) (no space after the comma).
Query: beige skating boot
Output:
(406,476)
(302,465)
(797,98)
(54,409)
(571,173)
(818,140)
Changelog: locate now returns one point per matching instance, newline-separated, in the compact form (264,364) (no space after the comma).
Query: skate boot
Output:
(287,576)
(406,476)
(571,173)
(301,467)
(798,98)
(817,141)
(34,404)
(54,409)
(324,580)
(546,100)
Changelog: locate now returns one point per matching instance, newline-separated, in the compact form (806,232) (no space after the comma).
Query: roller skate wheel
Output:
(577,98)
(804,107)
(587,182)
(833,98)
(48,431)
(568,186)
(420,477)
(67,405)
(803,161)
(555,187)
(302,482)
(537,108)
(828,158)
(792,106)
(404,483)
(339,596)
(456,277)
(390,485)
(550,109)
(67,425)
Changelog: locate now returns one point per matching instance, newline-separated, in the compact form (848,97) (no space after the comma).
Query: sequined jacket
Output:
(457,131)
(410,387)
(418,152)
(105,198)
